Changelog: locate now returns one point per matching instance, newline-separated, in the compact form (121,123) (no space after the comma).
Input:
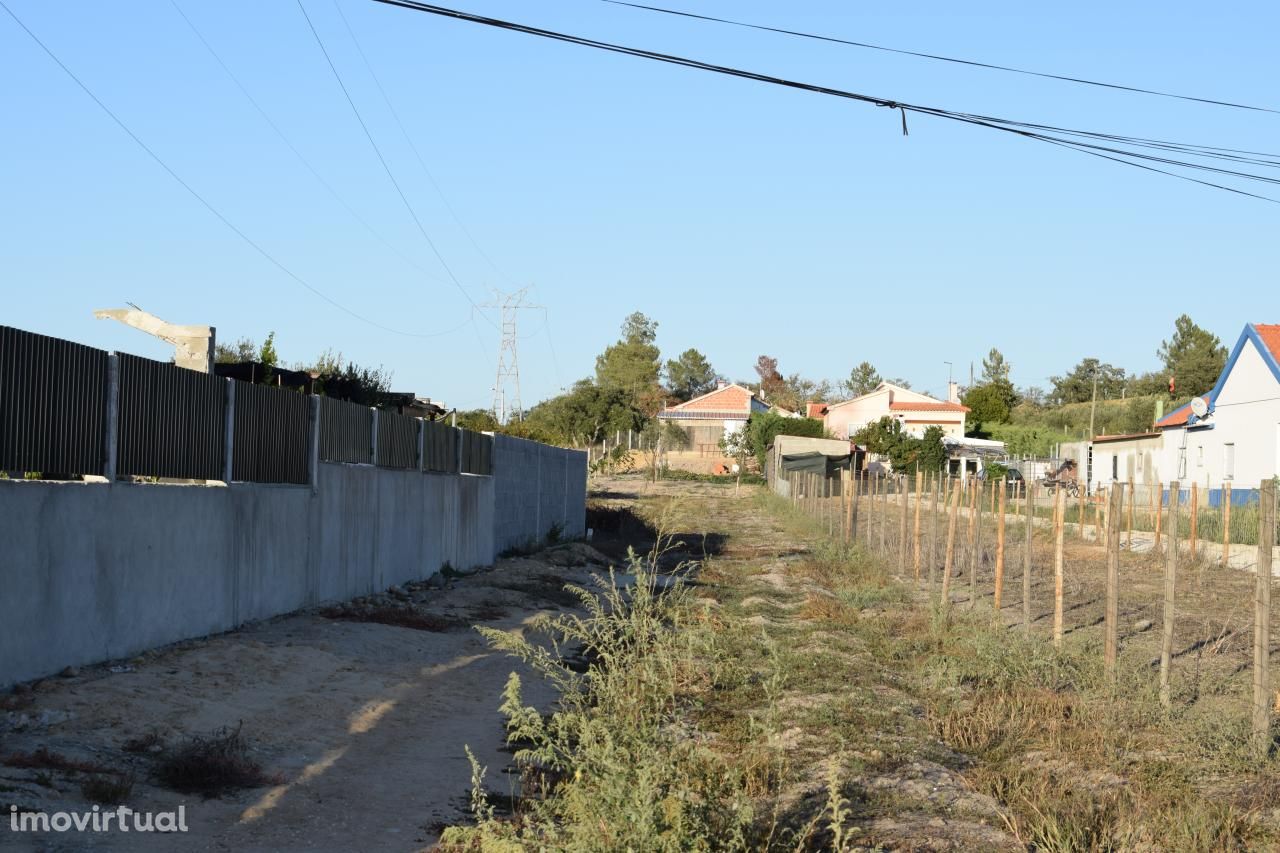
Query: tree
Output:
(901,383)
(763,427)
(587,413)
(771,381)
(995,368)
(356,384)
(632,363)
(243,350)
(886,438)
(863,379)
(1194,357)
(1077,386)
(267,353)
(478,420)
(690,375)
(987,405)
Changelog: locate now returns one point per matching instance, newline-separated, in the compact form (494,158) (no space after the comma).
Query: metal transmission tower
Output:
(508,363)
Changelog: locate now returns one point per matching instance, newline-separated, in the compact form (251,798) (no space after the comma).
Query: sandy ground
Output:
(364,723)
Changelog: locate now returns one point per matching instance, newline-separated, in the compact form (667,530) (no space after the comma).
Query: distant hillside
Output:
(1036,430)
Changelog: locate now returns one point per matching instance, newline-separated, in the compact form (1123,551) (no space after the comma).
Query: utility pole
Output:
(508,364)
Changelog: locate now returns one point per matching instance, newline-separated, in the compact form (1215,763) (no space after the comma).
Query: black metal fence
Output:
(271,435)
(52,404)
(440,448)
(171,421)
(477,453)
(346,431)
(397,441)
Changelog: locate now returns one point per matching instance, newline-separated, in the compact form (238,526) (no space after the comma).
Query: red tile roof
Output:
(731,398)
(815,410)
(1270,335)
(1103,439)
(1179,416)
(927,407)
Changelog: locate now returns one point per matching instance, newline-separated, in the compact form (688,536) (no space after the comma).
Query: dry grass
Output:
(44,759)
(399,615)
(212,765)
(111,789)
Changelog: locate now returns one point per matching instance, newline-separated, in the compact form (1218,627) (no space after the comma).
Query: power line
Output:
(1040,133)
(386,167)
(412,146)
(296,152)
(201,199)
(938,58)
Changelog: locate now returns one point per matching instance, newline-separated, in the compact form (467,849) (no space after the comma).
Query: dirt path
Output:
(363,723)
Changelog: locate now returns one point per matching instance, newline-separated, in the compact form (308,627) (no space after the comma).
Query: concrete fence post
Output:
(313,443)
(457,450)
(111,436)
(373,437)
(229,433)
(422,445)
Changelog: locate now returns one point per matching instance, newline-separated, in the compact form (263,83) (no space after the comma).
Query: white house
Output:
(708,419)
(916,411)
(1232,433)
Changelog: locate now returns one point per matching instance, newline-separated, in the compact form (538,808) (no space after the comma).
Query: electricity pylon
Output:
(508,361)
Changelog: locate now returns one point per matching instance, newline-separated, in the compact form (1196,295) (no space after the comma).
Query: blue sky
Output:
(746,219)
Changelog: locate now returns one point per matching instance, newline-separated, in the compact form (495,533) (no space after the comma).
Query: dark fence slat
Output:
(171,421)
(271,430)
(52,404)
(477,452)
(440,448)
(346,430)
(397,441)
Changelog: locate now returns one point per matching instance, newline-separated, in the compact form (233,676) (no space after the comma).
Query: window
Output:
(1199,455)
(1115,466)
(1228,461)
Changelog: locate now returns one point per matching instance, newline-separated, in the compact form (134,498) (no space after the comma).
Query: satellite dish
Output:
(1199,407)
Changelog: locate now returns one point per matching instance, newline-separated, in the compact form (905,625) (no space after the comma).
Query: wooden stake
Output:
(902,527)
(1170,586)
(1129,539)
(1195,520)
(949,561)
(1262,616)
(915,535)
(1081,504)
(1111,633)
(1157,501)
(1226,523)
(1060,505)
(1028,504)
(854,506)
(933,536)
(1106,517)
(975,544)
(999,584)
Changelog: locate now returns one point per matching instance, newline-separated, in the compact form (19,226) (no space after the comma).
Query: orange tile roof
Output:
(1179,416)
(927,407)
(1269,335)
(816,410)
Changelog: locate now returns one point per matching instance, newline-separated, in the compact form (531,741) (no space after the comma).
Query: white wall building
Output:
(1237,438)
(916,411)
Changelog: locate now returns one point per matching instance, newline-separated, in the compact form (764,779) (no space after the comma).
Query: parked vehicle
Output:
(1014,483)
(1063,478)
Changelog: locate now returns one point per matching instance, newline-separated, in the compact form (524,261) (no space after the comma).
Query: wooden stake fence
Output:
(902,527)
(1170,587)
(915,536)
(949,561)
(1059,507)
(1195,520)
(1129,538)
(1113,596)
(933,536)
(1262,617)
(1029,503)
(1226,523)
(975,508)
(999,582)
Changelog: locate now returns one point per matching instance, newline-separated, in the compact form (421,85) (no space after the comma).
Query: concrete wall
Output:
(537,486)
(92,572)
